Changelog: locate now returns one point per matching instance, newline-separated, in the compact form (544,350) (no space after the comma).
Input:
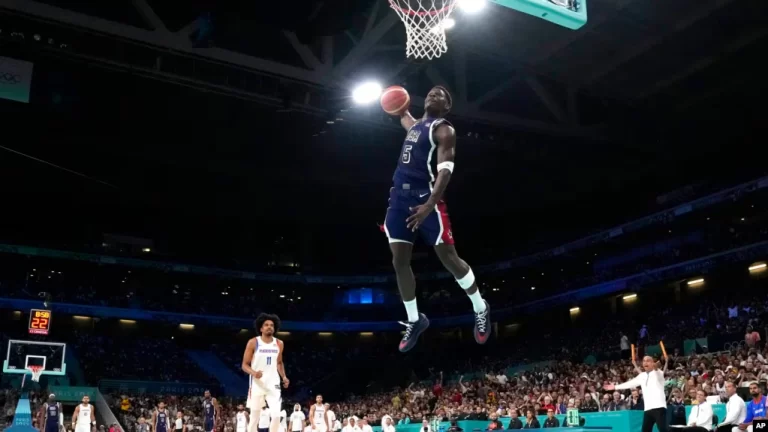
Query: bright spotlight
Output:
(366,93)
(471,6)
(449,23)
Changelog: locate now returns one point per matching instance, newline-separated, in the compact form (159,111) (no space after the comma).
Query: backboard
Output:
(22,354)
(571,14)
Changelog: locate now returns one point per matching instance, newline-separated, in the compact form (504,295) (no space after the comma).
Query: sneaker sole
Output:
(416,337)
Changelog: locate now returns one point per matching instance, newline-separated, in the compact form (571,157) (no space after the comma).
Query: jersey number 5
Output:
(407,153)
(269,361)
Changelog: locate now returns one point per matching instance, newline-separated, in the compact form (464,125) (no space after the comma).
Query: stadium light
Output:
(366,93)
(449,23)
(575,309)
(630,297)
(696,282)
(471,6)
(757,268)
(127,321)
(187,326)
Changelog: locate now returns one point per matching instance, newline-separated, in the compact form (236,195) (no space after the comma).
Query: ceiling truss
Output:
(319,72)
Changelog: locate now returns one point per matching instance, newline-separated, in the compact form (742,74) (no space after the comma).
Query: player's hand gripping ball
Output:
(395,100)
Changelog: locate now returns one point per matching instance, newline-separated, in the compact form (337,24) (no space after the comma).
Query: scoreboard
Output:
(39,321)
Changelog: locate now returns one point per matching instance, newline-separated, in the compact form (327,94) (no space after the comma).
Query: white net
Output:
(425,25)
(37,372)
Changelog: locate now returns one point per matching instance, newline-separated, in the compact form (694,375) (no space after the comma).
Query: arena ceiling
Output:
(568,130)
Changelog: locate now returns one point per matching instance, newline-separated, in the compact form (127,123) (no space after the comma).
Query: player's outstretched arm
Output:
(407,120)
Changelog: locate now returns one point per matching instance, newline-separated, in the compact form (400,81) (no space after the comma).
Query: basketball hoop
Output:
(424,26)
(37,371)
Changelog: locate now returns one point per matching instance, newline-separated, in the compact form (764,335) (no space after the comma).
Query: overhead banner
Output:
(15,79)
(72,394)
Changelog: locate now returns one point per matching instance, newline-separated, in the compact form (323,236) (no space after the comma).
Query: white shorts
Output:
(83,427)
(319,428)
(241,428)
(272,397)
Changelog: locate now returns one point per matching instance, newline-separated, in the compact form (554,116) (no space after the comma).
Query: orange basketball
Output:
(395,100)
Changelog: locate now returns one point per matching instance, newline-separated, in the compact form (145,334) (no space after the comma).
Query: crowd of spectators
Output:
(147,359)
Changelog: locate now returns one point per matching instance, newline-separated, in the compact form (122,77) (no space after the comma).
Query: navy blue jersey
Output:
(52,417)
(209,410)
(162,421)
(417,167)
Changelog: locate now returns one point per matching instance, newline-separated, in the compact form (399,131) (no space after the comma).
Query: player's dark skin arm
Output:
(446,152)
(281,366)
(407,120)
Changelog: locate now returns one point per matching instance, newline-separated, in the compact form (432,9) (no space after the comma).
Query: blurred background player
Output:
(84,416)
(161,421)
(264,420)
(319,416)
(416,204)
(241,419)
(331,417)
(51,417)
(263,361)
(297,419)
(179,425)
(210,412)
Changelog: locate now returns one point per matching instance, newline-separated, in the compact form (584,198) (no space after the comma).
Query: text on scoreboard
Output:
(39,321)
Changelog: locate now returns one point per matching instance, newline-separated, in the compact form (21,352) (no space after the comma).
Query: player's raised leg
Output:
(466,280)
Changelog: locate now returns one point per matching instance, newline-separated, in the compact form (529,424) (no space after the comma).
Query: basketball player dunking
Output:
(416,204)
(318,415)
(263,361)
(84,416)
(241,419)
(51,414)
(161,419)
(210,412)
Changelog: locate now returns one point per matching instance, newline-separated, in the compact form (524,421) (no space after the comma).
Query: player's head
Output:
(319,399)
(142,420)
(51,398)
(240,407)
(86,400)
(296,407)
(648,363)
(438,101)
(266,324)
(207,394)
(327,405)
(161,404)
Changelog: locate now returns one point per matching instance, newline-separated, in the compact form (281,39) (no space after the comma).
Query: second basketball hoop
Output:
(425,25)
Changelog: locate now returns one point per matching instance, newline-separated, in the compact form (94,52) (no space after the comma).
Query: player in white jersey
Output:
(264,421)
(331,418)
(84,416)
(297,419)
(241,419)
(318,416)
(263,362)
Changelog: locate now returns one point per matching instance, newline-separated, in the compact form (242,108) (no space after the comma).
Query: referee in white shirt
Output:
(652,383)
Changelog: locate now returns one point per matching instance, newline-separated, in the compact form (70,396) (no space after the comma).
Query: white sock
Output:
(478,304)
(411,310)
